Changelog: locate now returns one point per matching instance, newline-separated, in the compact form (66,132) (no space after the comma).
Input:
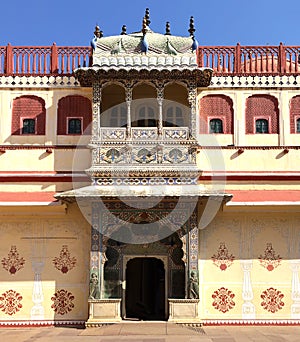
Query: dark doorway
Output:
(145,289)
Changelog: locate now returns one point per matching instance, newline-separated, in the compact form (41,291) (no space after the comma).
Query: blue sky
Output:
(218,22)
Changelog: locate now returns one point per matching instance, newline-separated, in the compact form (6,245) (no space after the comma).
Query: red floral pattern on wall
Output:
(222,258)
(64,262)
(270,260)
(62,302)
(223,299)
(10,302)
(272,300)
(13,262)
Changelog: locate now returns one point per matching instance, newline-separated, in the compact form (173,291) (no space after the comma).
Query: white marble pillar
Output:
(295,307)
(248,308)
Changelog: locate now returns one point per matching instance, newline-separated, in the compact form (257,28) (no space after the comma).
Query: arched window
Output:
(118,117)
(261,126)
(145,117)
(74,115)
(294,114)
(216,126)
(213,107)
(298,125)
(262,114)
(173,117)
(28,115)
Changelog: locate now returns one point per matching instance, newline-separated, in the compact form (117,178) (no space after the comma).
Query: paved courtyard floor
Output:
(153,332)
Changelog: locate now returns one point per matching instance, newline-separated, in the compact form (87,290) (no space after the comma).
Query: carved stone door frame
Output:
(126,258)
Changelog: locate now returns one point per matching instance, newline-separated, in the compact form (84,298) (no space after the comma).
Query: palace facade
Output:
(149,177)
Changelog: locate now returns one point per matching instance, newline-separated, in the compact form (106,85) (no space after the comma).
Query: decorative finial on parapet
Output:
(192,34)
(144,26)
(192,27)
(168,30)
(147,16)
(124,30)
(97,32)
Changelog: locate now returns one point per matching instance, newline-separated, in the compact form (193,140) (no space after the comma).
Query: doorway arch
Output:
(145,290)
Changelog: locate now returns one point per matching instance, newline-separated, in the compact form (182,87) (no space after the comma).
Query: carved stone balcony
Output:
(143,153)
(108,134)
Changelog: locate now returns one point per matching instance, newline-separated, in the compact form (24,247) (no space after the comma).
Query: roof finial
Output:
(97,32)
(144,26)
(124,29)
(168,31)
(192,27)
(147,16)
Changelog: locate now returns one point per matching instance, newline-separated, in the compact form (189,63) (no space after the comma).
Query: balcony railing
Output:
(144,133)
(224,60)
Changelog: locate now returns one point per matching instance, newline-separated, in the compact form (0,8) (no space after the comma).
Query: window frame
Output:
(68,118)
(22,119)
(219,117)
(137,117)
(268,119)
(296,118)
(184,118)
(119,116)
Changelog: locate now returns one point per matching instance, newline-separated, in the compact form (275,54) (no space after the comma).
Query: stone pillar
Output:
(192,98)
(128,95)
(96,124)
(187,310)
(192,261)
(101,310)
(95,255)
(160,99)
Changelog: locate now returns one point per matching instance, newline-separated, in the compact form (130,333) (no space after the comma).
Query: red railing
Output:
(43,60)
(224,60)
(247,60)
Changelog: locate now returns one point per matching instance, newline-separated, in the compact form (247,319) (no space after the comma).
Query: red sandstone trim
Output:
(35,324)
(41,196)
(257,322)
(265,195)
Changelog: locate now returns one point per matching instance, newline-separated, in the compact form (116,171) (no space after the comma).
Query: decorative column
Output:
(38,251)
(128,96)
(295,307)
(192,98)
(96,111)
(37,311)
(192,262)
(95,255)
(187,310)
(160,99)
(248,308)
(101,310)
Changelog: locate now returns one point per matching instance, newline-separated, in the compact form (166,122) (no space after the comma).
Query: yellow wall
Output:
(246,236)
(39,239)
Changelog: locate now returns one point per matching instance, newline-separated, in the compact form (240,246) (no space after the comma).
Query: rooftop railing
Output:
(250,60)
(224,60)
(43,60)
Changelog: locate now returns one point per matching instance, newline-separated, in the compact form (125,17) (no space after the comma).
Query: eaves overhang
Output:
(89,75)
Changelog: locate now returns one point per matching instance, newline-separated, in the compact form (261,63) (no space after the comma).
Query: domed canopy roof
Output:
(144,54)
(144,48)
